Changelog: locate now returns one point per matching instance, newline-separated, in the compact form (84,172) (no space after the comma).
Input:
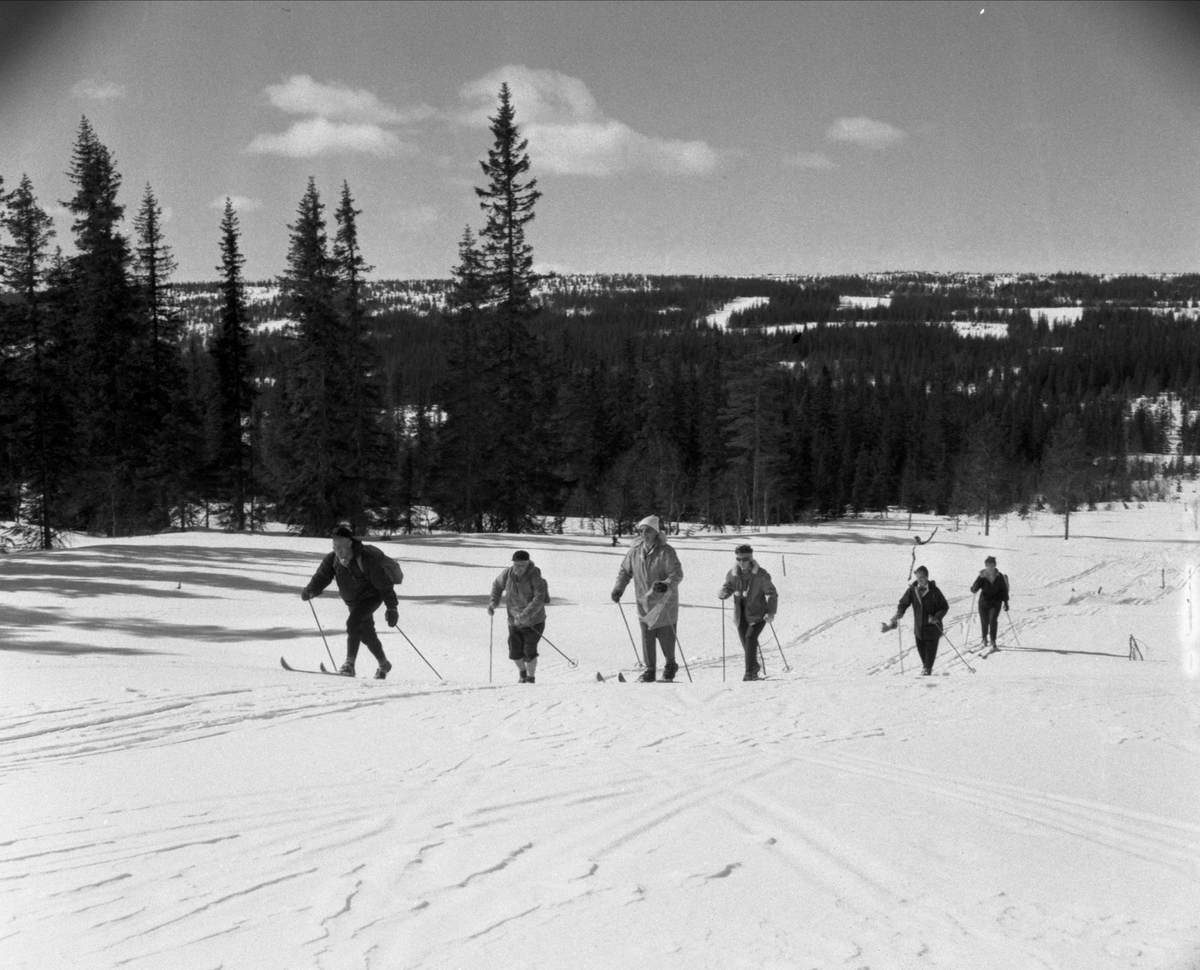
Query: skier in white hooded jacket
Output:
(656,573)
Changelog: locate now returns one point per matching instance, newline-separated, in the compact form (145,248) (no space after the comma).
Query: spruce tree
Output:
(1066,469)
(366,434)
(517,473)
(232,454)
(35,414)
(115,412)
(312,457)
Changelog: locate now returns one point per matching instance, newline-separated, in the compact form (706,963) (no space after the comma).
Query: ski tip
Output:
(621,678)
(286,665)
(599,677)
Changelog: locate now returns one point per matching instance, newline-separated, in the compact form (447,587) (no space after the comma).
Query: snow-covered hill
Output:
(173,798)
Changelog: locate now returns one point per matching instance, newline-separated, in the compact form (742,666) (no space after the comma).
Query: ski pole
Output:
(630,632)
(679,647)
(900,648)
(762,661)
(322,632)
(573,663)
(419,654)
(967,632)
(491,642)
(1013,627)
(955,649)
(722,641)
(786,666)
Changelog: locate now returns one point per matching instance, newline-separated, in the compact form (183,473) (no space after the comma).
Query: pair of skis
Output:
(301,670)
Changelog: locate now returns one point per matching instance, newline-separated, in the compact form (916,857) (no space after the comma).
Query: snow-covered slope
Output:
(173,798)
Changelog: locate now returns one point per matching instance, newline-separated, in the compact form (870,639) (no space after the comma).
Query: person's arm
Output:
(377,576)
(726,587)
(772,600)
(321,578)
(498,585)
(624,575)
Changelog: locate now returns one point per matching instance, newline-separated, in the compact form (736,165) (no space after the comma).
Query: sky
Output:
(700,138)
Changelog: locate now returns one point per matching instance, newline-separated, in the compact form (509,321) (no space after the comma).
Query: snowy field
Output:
(172,798)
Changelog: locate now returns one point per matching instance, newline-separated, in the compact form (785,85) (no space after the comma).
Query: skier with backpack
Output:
(525,595)
(992,587)
(366,579)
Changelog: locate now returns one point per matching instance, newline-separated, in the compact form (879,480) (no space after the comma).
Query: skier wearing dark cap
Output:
(364,582)
(524,592)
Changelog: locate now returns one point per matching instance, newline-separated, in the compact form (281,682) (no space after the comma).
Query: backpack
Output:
(545,592)
(390,567)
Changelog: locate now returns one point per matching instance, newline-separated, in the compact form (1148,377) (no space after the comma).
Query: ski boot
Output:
(649,675)
(752,675)
(384,667)
(347,669)
(669,672)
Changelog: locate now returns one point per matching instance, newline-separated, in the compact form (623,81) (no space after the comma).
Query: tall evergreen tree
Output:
(232,452)
(517,475)
(115,413)
(1066,469)
(366,432)
(312,455)
(35,419)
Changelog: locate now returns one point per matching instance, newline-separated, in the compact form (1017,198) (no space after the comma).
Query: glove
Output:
(616,595)
(491,610)
(769,618)
(889,625)
(722,595)
(661,587)
(392,617)
(1005,607)
(306,594)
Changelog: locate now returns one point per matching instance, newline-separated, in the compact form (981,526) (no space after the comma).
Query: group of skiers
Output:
(929,607)
(366,579)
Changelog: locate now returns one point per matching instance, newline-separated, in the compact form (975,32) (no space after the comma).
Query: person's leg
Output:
(753,632)
(516,651)
(932,648)
(531,635)
(923,653)
(666,639)
(360,628)
(649,650)
(983,623)
(993,622)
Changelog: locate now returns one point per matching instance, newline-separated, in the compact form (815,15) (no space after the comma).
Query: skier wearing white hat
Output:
(656,573)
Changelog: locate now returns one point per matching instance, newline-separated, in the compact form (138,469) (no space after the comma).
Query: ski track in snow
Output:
(823,818)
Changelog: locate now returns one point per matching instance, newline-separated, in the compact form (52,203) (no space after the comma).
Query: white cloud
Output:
(570,135)
(301,95)
(342,119)
(98,90)
(320,136)
(241,203)
(813,160)
(865,132)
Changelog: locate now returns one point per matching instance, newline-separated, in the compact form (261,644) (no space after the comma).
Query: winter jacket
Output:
(361,578)
(928,609)
(525,596)
(647,564)
(992,592)
(754,596)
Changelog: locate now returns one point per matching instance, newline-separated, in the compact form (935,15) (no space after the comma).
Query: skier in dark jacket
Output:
(755,602)
(929,607)
(524,593)
(992,587)
(364,585)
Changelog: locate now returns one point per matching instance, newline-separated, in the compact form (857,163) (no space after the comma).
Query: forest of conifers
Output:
(133,403)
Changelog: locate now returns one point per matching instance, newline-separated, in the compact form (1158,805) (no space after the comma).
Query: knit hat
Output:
(652,521)
(520,556)
(342,532)
(990,561)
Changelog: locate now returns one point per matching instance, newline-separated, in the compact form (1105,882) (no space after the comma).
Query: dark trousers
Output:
(749,634)
(360,627)
(989,619)
(927,648)
(523,641)
(661,634)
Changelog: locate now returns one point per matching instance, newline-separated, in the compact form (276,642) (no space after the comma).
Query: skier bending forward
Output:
(524,593)
(364,585)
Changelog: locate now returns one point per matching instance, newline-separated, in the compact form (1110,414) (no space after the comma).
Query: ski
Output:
(602,679)
(302,670)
